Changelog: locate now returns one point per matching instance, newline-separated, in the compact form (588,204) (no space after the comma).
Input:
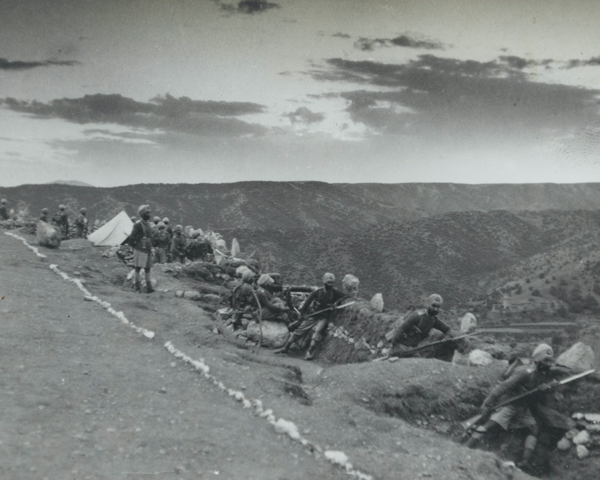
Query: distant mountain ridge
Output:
(334,207)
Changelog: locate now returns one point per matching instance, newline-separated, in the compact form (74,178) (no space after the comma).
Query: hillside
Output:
(474,244)
(288,205)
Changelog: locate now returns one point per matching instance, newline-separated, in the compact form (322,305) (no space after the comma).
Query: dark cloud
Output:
(369,44)
(164,112)
(435,92)
(341,35)
(249,7)
(521,63)
(592,62)
(20,65)
(304,115)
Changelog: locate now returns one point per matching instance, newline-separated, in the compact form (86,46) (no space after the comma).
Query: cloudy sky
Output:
(114,92)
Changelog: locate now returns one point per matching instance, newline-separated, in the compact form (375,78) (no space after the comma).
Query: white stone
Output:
(579,357)
(47,235)
(179,293)
(582,452)
(571,433)
(592,417)
(564,444)
(468,323)
(377,302)
(191,295)
(479,358)
(459,359)
(582,438)
(274,334)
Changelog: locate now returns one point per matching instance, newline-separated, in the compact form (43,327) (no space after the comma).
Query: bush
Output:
(536,293)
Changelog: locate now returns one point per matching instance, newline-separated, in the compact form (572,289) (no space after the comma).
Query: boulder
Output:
(179,293)
(192,295)
(468,323)
(479,358)
(582,452)
(235,248)
(564,444)
(578,357)
(350,285)
(377,302)
(47,235)
(582,438)
(274,334)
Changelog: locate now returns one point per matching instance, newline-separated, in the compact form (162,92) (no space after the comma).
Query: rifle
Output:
(294,325)
(439,342)
(471,422)
(333,307)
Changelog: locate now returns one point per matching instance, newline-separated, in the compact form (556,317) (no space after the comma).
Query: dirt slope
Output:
(86,396)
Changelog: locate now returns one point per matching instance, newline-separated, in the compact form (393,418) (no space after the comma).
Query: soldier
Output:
(81,224)
(242,296)
(416,327)
(44,215)
(161,240)
(178,245)
(524,377)
(141,241)
(170,232)
(323,298)
(3,210)
(61,219)
(198,249)
(270,310)
(154,223)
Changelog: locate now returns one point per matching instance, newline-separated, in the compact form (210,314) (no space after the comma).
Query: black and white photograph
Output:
(299,239)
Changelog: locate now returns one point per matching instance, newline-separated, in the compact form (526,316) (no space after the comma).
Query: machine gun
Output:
(279,288)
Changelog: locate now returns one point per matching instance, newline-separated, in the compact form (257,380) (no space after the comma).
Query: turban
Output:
(248,275)
(265,279)
(542,352)
(328,277)
(434,299)
(143,209)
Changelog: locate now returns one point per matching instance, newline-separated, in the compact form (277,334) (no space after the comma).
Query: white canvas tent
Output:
(113,232)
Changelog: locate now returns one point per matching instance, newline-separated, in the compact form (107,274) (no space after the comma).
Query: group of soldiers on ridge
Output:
(156,242)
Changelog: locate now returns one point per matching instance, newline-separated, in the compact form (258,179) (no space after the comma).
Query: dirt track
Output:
(85,396)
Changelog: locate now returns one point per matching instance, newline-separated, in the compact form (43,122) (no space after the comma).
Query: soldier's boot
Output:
(138,287)
(475,440)
(286,348)
(310,353)
(149,288)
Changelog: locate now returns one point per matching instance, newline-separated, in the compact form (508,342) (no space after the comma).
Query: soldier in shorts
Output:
(141,241)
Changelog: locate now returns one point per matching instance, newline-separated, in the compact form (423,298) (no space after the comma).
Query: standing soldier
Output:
(44,215)
(62,221)
(141,241)
(178,245)
(324,299)
(170,231)
(3,210)
(81,224)
(161,240)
